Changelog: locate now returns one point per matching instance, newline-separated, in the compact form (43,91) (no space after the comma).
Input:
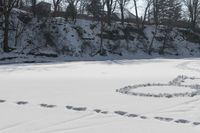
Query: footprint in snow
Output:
(132,115)
(2,101)
(120,112)
(196,123)
(182,121)
(69,107)
(21,102)
(97,110)
(76,108)
(164,119)
(51,106)
(143,117)
(79,108)
(100,111)
(104,112)
(47,105)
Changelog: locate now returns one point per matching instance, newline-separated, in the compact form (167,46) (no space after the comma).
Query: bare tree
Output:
(8,5)
(148,5)
(33,4)
(193,7)
(82,6)
(19,3)
(19,29)
(75,3)
(122,4)
(1,2)
(102,51)
(136,13)
(166,12)
(156,17)
(56,4)
(1,7)
(95,8)
(71,10)
(155,11)
(110,5)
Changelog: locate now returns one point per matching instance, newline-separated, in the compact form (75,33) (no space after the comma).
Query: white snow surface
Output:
(163,89)
(92,84)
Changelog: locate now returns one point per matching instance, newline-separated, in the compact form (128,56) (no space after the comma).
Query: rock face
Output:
(55,36)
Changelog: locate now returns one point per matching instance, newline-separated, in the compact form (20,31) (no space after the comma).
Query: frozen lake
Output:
(81,97)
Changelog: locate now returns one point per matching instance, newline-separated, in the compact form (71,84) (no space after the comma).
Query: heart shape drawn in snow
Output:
(178,87)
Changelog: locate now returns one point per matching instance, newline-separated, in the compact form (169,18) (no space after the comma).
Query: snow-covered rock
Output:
(53,37)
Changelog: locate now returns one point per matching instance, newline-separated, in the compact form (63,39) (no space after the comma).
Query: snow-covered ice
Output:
(81,97)
(163,89)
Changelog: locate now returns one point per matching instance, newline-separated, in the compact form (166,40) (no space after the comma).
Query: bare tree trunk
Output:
(136,13)
(122,14)
(193,7)
(6,32)
(155,11)
(7,8)
(110,4)
(108,11)
(144,19)
(56,4)
(101,45)
(18,32)
(145,13)
(55,10)
(34,2)
(1,2)
(152,40)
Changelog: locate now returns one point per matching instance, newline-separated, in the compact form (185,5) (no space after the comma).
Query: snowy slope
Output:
(55,37)
(81,97)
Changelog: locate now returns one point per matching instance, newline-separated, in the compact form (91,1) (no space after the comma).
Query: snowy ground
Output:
(81,97)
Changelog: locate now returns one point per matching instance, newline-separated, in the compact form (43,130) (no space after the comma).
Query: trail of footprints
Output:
(177,82)
(120,113)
